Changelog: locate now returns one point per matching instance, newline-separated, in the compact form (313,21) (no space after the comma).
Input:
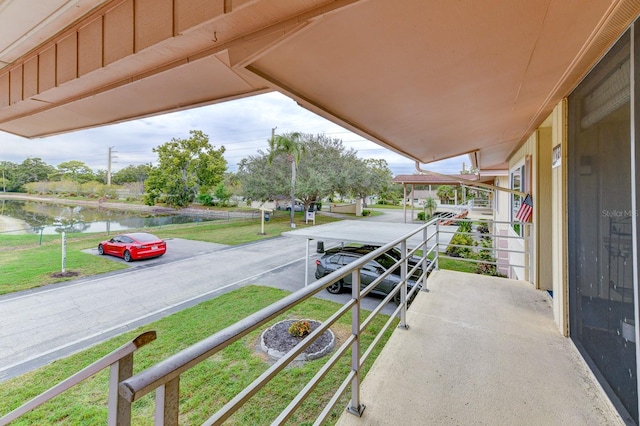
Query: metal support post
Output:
(437,250)
(403,288)
(355,407)
(119,407)
(425,249)
(167,399)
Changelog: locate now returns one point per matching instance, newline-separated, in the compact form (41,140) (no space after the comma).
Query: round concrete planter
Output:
(276,341)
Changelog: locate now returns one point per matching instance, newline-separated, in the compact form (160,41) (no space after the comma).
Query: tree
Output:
(445,192)
(291,145)
(186,167)
(75,171)
(7,175)
(222,193)
(325,168)
(132,174)
(430,205)
(376,177)
(31,170)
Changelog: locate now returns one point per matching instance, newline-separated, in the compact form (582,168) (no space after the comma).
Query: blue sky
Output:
(242,126)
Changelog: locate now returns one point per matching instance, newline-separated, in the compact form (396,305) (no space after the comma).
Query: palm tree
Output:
(292,145)
(445,193)
(430,205)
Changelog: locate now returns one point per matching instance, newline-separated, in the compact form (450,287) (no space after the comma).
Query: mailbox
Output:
(267,216)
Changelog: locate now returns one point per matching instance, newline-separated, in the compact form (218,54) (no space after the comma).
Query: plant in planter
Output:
(300,328)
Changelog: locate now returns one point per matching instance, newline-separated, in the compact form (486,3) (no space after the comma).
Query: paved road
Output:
(41,325)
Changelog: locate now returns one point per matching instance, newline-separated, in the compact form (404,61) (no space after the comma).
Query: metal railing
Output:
(120,362)
(430,242)
(500,249)
(164,377)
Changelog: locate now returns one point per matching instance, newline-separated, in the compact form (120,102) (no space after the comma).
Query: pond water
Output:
(47,218)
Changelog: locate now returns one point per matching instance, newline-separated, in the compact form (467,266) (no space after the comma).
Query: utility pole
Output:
(109,160)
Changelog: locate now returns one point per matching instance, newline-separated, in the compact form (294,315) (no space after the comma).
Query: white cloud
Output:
(243,126)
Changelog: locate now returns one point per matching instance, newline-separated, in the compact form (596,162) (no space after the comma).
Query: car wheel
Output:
(127,256)
(397,298)
(100,249)
(335,288)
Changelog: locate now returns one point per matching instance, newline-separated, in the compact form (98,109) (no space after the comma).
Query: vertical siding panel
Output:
(90,47)
(47,69)
(190,13)
(30,76)
(118,32)
(4,90)
(67,59)
(15,81)
(153,22)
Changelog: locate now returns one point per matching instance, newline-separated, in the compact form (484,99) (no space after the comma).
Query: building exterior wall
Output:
(527,155)
(542,211)
(559,220)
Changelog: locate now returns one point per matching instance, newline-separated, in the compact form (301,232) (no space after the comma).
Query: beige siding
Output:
(527,154)
(559,221)
(543,209)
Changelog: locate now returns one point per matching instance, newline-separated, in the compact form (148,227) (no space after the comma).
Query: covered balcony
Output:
(481,350)
(469,349)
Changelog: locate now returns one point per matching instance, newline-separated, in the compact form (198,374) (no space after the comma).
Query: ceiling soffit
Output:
(429,80)
(444,83)
(128,41)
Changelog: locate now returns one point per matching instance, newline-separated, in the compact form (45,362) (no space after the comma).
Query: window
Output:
(517,183)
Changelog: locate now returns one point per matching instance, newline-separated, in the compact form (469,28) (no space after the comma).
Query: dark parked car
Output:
(134,246)
(336,258)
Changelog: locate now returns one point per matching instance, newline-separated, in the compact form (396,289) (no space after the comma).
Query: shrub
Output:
(300,328)
(205,199)
(483,228)
(460,240)
(464,226)
(366,212)
(421,216)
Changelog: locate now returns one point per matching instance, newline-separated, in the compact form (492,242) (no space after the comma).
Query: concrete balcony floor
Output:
(481,351)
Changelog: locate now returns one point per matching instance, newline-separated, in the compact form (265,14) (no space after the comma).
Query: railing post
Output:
(437,250)
(425,250)
(355,407)
(403,289)
(167,399)
(119,407)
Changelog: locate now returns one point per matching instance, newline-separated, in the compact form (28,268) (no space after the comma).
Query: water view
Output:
(47,218)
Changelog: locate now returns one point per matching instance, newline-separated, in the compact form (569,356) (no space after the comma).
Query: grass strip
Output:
(206,387)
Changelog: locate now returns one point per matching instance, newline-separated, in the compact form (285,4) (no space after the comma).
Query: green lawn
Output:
(205,388)
(25,264)
(384,206)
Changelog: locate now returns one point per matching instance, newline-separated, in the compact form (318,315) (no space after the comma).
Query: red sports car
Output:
(134,246)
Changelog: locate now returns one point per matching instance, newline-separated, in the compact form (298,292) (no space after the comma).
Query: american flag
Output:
(525,210)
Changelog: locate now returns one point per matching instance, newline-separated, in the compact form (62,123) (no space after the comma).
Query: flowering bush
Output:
(300,328)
